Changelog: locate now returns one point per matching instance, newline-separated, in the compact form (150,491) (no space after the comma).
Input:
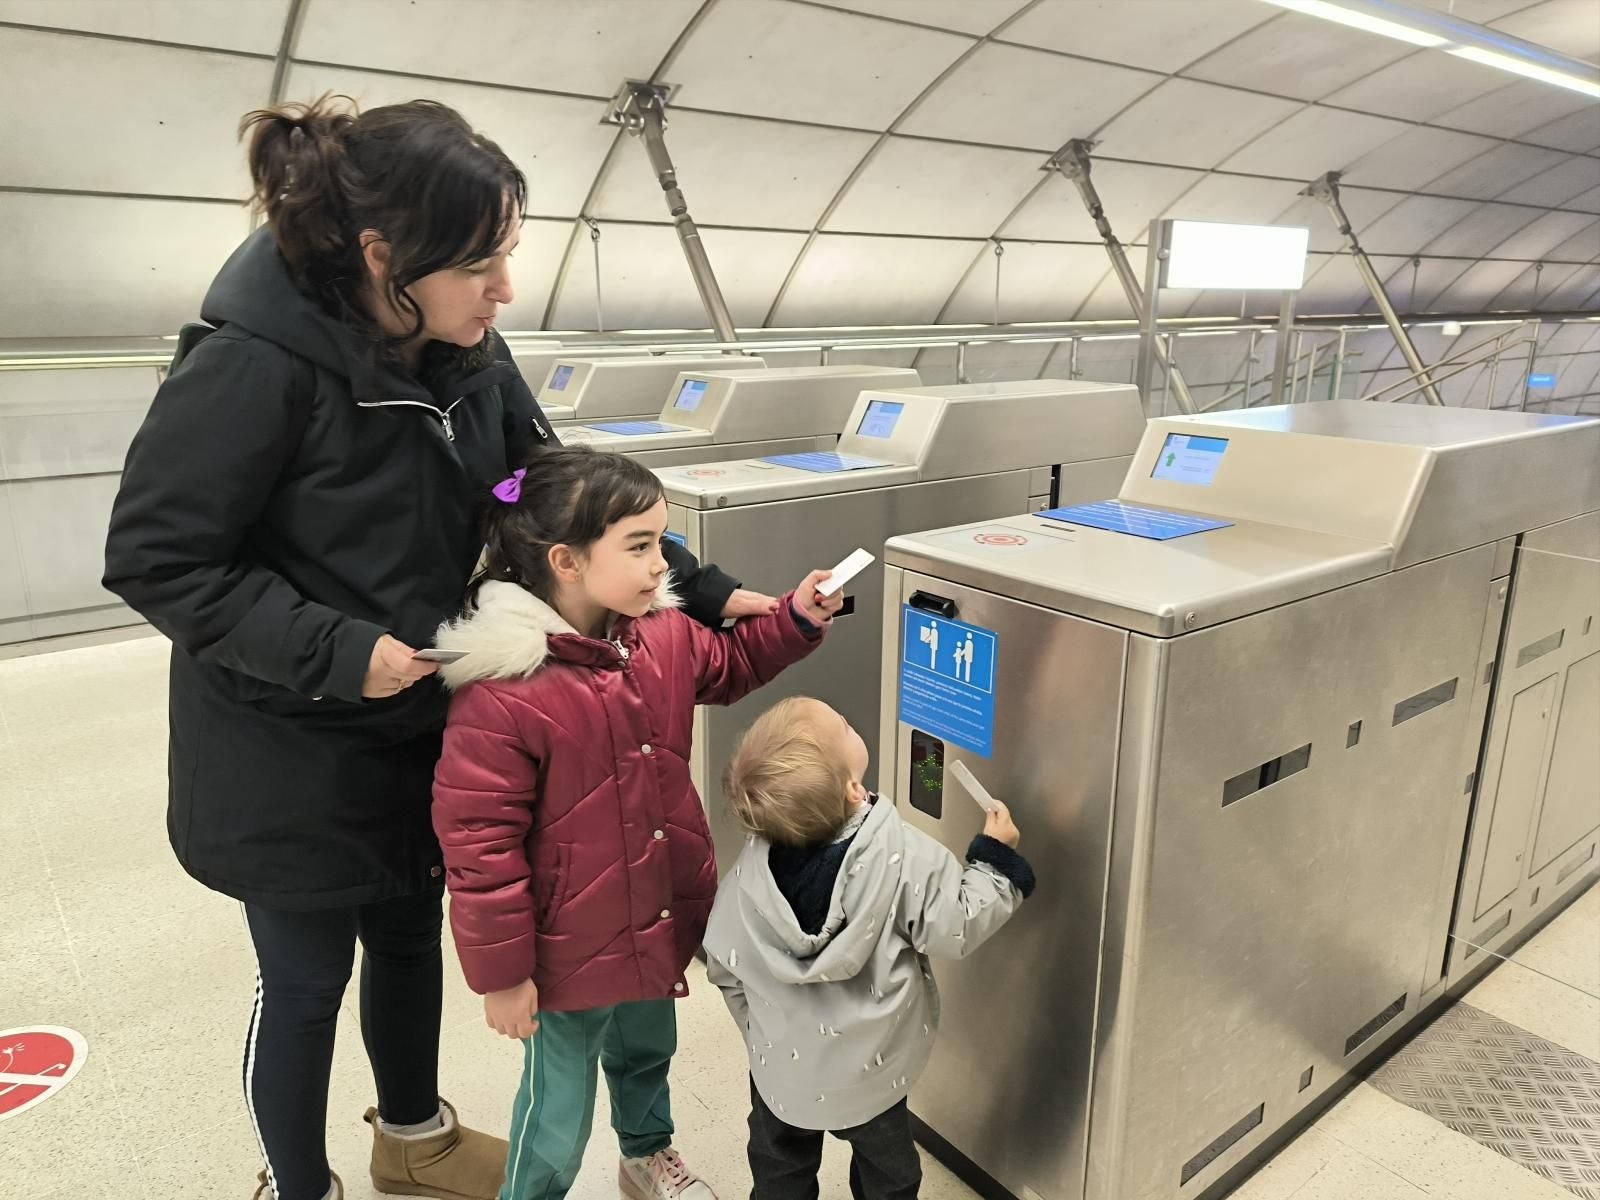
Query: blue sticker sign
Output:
(635,428)
(947,678)
(1117,517)
(824,462)
(677,537)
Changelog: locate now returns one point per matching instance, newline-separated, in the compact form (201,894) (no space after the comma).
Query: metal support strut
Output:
(1073,162)
(640,109)
(1326,189)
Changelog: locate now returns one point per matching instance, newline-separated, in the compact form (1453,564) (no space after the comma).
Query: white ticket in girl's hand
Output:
(975,789)
(846,571)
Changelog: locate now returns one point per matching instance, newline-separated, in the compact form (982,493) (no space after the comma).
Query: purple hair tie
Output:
(510,491)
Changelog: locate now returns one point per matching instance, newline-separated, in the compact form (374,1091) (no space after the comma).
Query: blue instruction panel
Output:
(635,428)
(947,677)
(559,381)
(1154,523)
(825,462)
(677,537)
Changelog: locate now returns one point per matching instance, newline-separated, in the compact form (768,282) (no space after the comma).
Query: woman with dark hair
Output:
(302,508)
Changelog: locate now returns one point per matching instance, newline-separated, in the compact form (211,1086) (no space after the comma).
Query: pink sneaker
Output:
(662,1176)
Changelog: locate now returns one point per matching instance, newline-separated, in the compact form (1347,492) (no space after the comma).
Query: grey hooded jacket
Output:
(840,1024)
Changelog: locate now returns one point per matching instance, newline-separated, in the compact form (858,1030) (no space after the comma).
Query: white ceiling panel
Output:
(1211,303)
(1578,131)
(773,59)
(1589,202)
(1420,86)
(1514,109)
(1107,301)
(1559,184)
(1549,281)
(960,16)
(1361,206)
(1568,26)
(1584,246)
(135,118)
(1412,224)
(1568,339)
(1410,288)
(996,97)
(1546,233)
(1478,284)
(533,271)
(1191,124)
(1578,290)
(555,140)
(1038,282)
(1314,141)
(1336,287)
(646,284)
(1237,198)
(1132,194)
(1417,157)
(936,188)
(873,281)
(1480,231)
(1298,56)
(252,26)
(1167,35)
(1479,11)
(88,266)
(1496,171)
(555,45)
(736,171)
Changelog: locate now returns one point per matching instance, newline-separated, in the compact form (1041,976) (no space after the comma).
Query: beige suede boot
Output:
(449,1164)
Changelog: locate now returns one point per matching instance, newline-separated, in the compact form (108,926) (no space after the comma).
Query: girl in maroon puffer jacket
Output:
(576,851)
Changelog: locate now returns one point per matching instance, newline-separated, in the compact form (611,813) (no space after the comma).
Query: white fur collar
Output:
(507,636)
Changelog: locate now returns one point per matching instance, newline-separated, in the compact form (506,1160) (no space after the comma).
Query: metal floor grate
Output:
(1523,1097)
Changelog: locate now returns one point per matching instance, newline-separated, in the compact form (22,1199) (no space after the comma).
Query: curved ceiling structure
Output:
(850,163)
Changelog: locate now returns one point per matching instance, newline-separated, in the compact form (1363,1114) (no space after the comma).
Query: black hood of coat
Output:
(255,291)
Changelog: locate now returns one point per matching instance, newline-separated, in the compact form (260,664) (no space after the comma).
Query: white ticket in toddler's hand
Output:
(846,571)
(975,789)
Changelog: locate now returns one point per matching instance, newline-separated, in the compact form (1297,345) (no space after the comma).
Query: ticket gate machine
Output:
(1239,715)
(713,416)
(582,390)
(910,458)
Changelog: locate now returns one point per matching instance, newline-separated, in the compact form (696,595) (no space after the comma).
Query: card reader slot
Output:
(941,606)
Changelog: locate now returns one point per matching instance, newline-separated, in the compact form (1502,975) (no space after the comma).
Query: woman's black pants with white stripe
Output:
(304,961)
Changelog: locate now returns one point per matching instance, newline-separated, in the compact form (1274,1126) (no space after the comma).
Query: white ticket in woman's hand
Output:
(846,571)
(975,789)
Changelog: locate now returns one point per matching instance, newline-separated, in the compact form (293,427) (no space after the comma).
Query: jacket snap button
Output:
(660,833)
(665,913)
(436,872)
(677,987)
(646,748)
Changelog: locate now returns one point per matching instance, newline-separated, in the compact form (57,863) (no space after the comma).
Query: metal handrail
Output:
(1249,385)
(1461,358)
(1439,377)
(1454,357)
(908,337)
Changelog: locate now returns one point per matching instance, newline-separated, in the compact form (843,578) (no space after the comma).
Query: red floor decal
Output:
(35,1064)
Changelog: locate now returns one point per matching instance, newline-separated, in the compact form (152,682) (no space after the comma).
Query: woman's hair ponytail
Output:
(296,153)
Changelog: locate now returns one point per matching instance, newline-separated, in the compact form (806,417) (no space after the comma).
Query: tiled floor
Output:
(101,932)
